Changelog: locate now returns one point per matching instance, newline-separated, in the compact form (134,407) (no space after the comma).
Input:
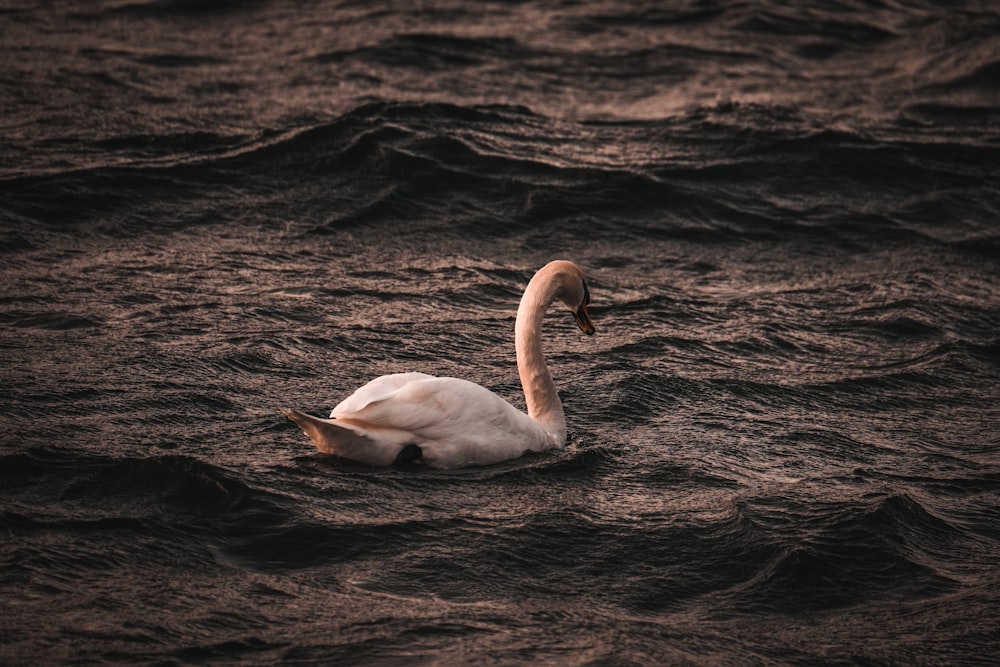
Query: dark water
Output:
(784,438)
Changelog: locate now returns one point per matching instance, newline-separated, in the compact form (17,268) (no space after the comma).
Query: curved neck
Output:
(536,380)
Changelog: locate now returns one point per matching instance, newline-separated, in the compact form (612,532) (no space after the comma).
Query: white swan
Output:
(447,422)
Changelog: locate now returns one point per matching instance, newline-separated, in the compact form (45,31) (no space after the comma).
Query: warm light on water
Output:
(783,437)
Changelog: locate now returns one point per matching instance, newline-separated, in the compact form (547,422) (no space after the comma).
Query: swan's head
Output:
(571,290)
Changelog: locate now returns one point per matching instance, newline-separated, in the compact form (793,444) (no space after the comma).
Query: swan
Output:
(446,422)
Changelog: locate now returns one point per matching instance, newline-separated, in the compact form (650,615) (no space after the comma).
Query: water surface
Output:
(783,439)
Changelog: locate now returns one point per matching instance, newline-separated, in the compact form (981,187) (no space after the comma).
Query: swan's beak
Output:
(583,320)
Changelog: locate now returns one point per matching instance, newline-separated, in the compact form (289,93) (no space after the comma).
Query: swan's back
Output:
(379,389)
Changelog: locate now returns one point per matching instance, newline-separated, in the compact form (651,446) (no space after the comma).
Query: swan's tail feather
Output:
(326,435)
(341,440)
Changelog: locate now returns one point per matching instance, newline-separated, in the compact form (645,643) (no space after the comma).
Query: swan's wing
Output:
(420,403)
(455,422)
(379,389)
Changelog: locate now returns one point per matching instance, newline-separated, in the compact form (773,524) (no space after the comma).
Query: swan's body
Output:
(447,422)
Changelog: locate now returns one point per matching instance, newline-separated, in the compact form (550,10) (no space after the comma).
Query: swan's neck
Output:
(539,389)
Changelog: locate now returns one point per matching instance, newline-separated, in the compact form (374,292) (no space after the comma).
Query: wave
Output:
(54,321)
(178,481)
(462,169)
(894,548)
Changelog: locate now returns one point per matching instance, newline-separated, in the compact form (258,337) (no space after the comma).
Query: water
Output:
(783,439)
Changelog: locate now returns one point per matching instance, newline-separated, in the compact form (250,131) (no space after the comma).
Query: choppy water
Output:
(784,438)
